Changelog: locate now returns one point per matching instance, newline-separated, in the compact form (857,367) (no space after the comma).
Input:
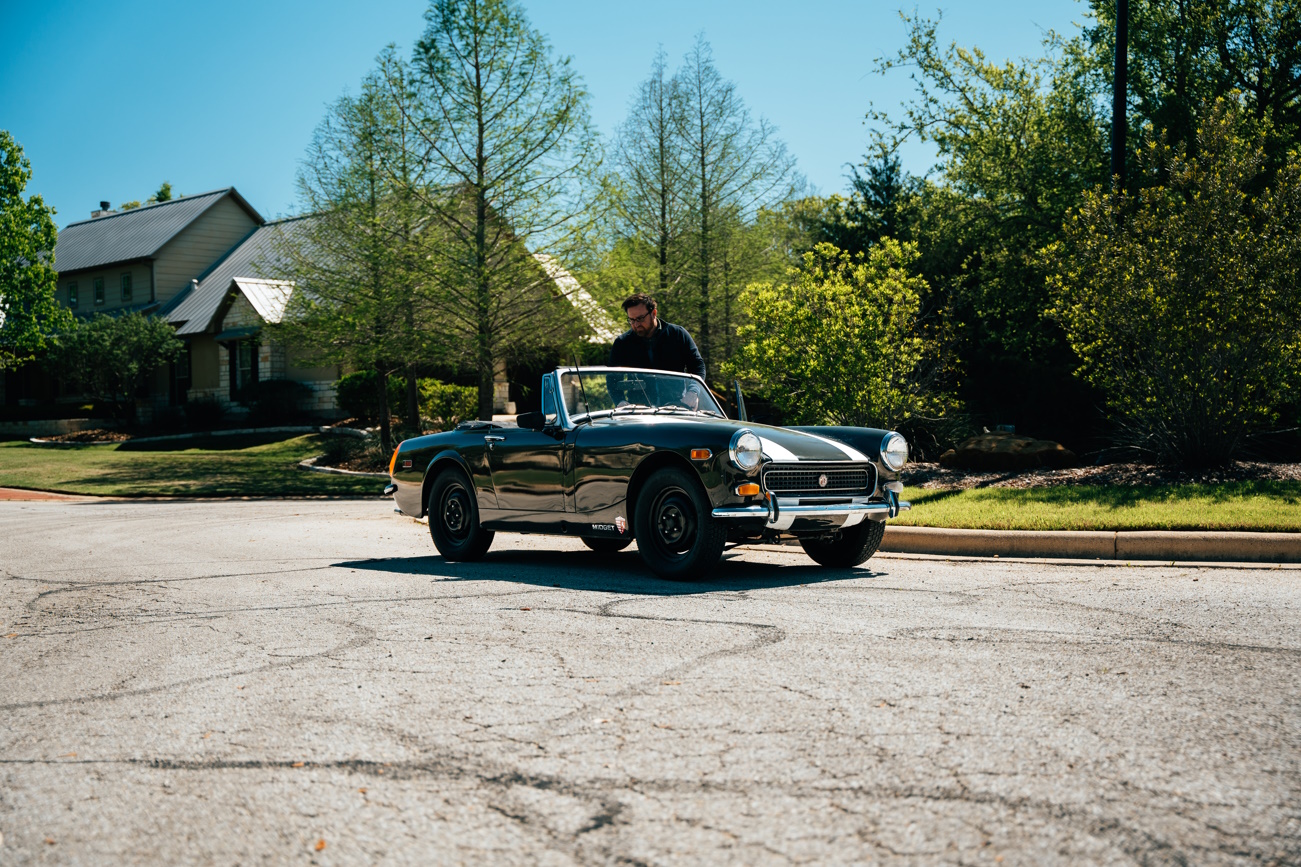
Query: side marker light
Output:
(701,454)
(749,489)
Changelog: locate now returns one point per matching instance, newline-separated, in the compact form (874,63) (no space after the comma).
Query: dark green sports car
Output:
(618,454)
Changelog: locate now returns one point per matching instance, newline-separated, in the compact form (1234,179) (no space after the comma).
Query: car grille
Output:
(801,480)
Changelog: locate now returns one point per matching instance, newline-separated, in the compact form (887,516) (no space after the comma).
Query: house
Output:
(197,262)
(206,263)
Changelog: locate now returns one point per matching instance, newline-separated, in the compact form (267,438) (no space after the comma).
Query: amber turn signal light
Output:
(392,462)
(701,454)
(749,489)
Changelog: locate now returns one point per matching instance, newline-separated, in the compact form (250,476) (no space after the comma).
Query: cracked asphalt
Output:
(308,682)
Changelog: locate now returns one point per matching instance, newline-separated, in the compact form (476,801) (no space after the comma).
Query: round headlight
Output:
(745,450)
(894,451)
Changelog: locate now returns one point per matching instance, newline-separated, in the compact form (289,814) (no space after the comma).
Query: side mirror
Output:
(531,420)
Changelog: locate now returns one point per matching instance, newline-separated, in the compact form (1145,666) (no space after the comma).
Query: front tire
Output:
(676,534)
(454,518)
(849,548)
(603,545)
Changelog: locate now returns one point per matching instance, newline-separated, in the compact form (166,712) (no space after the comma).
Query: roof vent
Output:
(102,212)
(103,205)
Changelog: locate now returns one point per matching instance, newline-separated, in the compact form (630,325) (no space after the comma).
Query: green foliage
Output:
(358,395)
(110,357)
(445,404)
(838,342)
(277,401)
(1184,300)
(28,311)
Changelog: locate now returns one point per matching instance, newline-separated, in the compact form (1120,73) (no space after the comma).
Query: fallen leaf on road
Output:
(297,764)
(49,840)
(68,756)
(12,635)
(320,844)
(207,735)
(600,720)
(362,790)
(672,683)
(526,609)
(663,726)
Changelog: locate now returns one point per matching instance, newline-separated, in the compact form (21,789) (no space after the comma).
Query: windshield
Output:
(612,391)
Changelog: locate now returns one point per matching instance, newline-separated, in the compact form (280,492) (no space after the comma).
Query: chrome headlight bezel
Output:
(746,456)
(894,451)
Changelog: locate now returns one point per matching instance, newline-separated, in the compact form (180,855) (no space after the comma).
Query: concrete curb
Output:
(1097,545)
(310,464)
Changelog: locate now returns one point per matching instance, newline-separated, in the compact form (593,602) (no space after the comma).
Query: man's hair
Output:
(640,298)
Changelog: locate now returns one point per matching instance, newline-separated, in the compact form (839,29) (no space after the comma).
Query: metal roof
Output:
(135,234)
(249,266)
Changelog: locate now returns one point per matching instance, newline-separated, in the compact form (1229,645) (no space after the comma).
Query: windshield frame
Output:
(569,422)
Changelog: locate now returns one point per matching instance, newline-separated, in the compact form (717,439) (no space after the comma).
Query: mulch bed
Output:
(94,435)
(930,475)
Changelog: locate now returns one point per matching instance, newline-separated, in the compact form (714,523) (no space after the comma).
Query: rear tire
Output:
(603,545)
(676,534)
(454,518)
(850,547)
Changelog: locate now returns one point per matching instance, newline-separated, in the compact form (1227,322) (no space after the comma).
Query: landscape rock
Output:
(1007,452)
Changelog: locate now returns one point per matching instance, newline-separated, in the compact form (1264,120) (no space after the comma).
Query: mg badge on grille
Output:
(822,480)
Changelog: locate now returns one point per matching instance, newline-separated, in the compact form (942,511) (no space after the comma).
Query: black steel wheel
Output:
(676,534)
(606,545)
(849,548)
(454,518)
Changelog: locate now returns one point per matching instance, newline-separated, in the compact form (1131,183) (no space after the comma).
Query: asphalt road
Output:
(307,682)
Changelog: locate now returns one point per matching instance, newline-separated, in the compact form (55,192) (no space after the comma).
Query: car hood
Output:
(779,444)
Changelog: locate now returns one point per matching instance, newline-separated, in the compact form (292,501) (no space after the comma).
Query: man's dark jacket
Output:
(669,348)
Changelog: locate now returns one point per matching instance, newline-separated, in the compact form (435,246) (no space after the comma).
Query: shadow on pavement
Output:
(610,573)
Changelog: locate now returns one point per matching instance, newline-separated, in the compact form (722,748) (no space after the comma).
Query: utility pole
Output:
(1119,89)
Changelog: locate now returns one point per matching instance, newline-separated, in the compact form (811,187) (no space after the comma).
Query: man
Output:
(653,344)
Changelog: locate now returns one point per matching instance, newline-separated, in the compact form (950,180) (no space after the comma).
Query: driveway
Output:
(307,682)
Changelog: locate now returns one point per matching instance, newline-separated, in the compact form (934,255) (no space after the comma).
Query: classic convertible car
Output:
(618,454)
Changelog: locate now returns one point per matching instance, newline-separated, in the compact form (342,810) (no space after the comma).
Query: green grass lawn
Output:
(259,466)
(1260,506)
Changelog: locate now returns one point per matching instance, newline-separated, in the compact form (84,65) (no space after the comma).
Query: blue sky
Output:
(108,99)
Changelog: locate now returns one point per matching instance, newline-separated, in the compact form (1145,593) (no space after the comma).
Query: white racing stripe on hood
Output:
(777,451)
(853,453)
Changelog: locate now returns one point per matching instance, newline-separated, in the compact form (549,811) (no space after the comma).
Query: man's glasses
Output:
(638,320)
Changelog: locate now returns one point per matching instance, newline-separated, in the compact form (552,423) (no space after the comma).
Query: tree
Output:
(110,357)
(1184,300)
(1018,144)
(362,291)
(511,155)
(653,193)
(837,343)
(28,311)
(164,194)
(1184,54)
(737,166)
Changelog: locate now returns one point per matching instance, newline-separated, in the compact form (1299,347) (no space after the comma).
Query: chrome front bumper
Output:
(781,515)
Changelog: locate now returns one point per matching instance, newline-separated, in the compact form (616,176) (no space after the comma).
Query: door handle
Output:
(490,440)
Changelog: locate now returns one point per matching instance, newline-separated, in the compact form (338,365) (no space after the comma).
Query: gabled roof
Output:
(135,234)
(601,327)
(248,267)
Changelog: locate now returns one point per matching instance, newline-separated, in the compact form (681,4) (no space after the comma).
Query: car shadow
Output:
(609,573)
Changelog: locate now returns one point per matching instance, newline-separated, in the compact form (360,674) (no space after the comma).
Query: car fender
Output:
(436,465)
(653,462)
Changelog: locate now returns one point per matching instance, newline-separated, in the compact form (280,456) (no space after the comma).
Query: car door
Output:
(528,465)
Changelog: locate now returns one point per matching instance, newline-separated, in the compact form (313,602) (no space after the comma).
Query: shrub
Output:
(277,401)
(1183,301)
(838,343)
(445,404)
(204,413)
(358,396)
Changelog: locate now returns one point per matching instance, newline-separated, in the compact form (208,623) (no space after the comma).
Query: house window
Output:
(72,294)
(126,287)
(243,367)
(99,290)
